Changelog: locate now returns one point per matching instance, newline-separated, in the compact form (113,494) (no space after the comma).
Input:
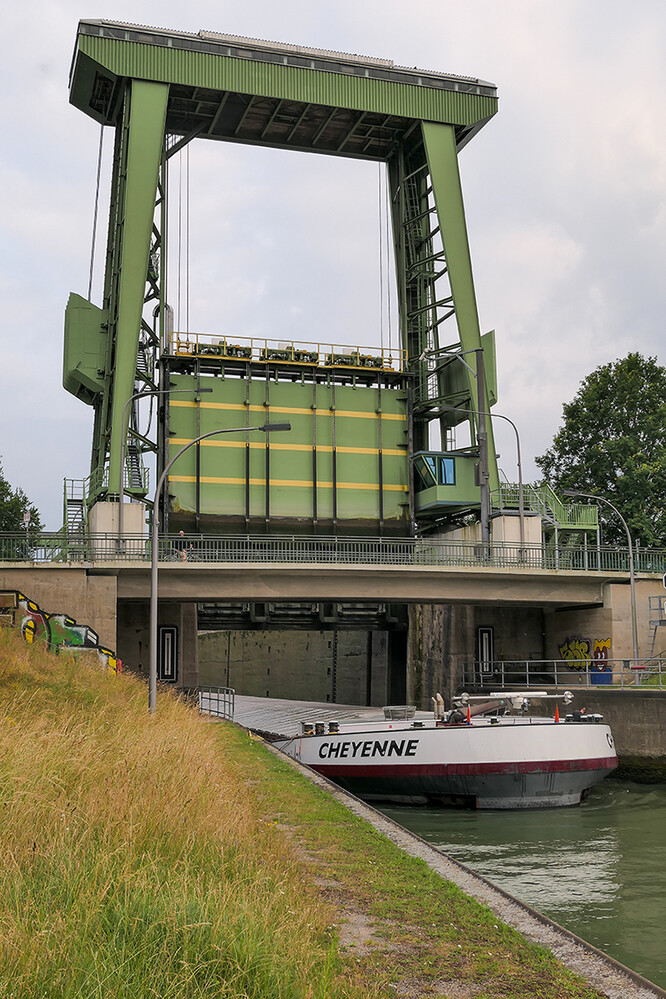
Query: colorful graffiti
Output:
(576,652)
(56,631)
(586,654)
(601,653)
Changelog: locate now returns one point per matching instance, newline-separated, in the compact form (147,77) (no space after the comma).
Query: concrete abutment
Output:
(178,656)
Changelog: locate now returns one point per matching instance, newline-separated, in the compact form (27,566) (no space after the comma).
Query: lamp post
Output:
(632,576)
(521,501)
(123,444)
(152,675)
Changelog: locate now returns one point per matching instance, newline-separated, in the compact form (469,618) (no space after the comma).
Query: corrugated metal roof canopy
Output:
(251,91)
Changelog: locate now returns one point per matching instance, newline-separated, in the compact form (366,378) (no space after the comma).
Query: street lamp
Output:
(152,675)
(521,502)
(632,576)
(123,445)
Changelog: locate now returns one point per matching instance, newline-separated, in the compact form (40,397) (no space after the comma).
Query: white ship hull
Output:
(506,762)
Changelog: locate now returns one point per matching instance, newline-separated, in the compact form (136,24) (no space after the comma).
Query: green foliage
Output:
(613,442)
(13,504)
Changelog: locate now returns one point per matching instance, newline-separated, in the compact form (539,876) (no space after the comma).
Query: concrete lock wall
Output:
(443,637)
(637,718)
(348,667)
(442,644)
(439,639)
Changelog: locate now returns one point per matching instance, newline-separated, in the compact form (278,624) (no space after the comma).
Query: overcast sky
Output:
(565,193)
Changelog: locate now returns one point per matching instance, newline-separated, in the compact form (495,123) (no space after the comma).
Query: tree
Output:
(13,504)
(613,442)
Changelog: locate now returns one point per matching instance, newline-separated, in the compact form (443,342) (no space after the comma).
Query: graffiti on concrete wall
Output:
(585,654)
(576,652)
(601,654)
(55,631)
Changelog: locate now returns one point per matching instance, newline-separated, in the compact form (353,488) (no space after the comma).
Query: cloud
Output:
(565,196)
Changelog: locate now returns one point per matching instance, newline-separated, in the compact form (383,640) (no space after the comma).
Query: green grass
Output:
(432,931)
(173,856)
(132,861)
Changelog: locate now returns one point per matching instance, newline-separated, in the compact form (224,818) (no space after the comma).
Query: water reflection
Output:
(599,870)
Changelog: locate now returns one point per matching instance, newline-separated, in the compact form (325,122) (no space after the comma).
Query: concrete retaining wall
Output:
(56,589)
(638,722)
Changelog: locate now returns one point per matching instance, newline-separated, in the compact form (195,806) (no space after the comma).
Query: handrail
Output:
(310,354)
(544,500)
(97,482)
(571,674)
(93,548)
(217,701)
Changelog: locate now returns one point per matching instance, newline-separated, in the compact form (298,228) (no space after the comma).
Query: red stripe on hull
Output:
(408,770)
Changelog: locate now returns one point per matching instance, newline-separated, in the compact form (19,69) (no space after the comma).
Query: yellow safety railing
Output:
(256,349)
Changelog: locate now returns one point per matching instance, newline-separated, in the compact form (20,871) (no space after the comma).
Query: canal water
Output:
(599,870)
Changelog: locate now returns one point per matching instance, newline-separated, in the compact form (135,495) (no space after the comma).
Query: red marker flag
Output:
(557,714)
(469,716)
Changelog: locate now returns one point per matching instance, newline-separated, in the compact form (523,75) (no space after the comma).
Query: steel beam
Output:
(440,146)
(148,103)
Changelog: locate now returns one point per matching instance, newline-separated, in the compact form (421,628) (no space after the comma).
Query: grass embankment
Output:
(172,856)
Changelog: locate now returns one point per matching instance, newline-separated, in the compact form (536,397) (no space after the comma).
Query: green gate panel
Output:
(355,438)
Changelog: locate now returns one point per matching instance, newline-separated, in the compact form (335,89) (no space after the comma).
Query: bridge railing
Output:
(294,549)
(568,674)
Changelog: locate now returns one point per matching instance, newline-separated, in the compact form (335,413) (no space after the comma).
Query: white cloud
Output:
(565,194)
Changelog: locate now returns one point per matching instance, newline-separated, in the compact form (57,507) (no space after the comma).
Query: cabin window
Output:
(447,472)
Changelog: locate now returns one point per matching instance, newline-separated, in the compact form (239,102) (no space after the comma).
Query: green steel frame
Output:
(161,89)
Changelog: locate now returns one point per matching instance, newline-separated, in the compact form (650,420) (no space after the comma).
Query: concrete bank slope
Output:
(598,969)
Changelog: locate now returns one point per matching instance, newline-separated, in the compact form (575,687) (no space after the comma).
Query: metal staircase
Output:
(563,523)
(424,266)
(74,507)
(135,471)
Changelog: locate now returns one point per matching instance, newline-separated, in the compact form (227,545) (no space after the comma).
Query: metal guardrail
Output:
(310,354)
(573,675)
(58,547)
(543,500)
(217,701)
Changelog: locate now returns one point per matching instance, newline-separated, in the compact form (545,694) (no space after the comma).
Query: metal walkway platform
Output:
(284,717)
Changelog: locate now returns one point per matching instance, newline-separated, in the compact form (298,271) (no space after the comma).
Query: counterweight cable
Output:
(94,231)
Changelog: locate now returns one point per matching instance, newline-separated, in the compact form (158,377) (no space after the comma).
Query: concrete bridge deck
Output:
(232,581)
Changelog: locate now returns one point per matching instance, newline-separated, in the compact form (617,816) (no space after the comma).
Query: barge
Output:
(483,753)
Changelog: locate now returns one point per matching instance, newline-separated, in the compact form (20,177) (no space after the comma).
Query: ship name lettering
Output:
(369,747)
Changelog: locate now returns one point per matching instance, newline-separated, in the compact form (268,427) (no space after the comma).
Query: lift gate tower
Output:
(360,457)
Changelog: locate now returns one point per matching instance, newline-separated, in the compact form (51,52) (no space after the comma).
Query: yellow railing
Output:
(256,349)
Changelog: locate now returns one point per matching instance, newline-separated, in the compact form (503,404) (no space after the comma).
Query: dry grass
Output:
(171,856)
(131,861)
